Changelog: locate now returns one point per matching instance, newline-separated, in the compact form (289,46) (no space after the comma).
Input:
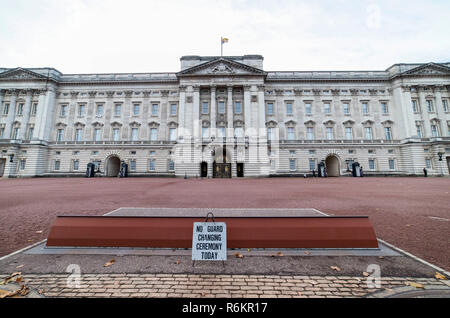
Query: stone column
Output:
(261,112)
(40,114)
(109,115)
(11,114)
(408,113)
(440,110)
(182,111)
(247,109)
(2,94)
(196,113)
(213,111)
(230,133)
(47,114)
(424,112)
(165,107)
(26,115)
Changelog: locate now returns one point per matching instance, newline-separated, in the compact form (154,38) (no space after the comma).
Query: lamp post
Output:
(440,153)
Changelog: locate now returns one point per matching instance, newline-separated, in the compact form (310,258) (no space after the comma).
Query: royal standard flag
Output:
(224,40)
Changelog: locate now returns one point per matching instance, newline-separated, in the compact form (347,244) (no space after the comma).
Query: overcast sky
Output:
(105,36)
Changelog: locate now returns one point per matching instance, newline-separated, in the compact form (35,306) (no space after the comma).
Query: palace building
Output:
(225,117)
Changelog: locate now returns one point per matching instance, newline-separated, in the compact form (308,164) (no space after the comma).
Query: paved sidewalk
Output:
(221,286)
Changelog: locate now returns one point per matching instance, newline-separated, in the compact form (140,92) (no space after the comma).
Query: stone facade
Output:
(227,113)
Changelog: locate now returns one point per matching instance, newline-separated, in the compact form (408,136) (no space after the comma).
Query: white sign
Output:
(209,242)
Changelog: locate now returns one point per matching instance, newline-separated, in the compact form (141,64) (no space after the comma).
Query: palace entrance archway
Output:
(222,163)
(333,166)
(112,166)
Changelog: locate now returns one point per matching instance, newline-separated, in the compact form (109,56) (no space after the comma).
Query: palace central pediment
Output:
(222,67)
(429,69)
(20,74)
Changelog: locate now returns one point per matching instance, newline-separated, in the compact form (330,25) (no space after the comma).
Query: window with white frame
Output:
(434,131)
(348,133)
(368,133)
(155,109)
(391,164)
(312,164)
(415,106)
(20,109)
(81,110)
(60,135)
(22,164)
(57,165)
(221,107)
(173,109)
(133,165)
(134,134)
(371,164)
(172,134)
(308,109)
(384,108)
(291,133)
(63,111)
(428,163)
(153,134)
(116,134)
(346,108)
(270,109)
(152,165)
(79,134)
(76,165)
(329,132)
(97,134)
(34,109)
(289,110)
(117,109)
(429,104)
(419,131)
(205,132)
(445,105)
(310,133)
(171,165)
(271,133)
(205,108)
(221,133)
(238,107)
(365,108)
(327,108)
(5,109)
(136,109)
(15,133)
(239,132)
(99,112)
(292,165)
(30,133)
(2,132)
(388,133)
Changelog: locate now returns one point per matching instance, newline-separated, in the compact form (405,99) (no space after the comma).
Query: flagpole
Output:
(221,47)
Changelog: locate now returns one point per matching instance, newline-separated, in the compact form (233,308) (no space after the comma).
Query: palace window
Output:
(238,107)
(350,163)
(57,165)
(97,134)
(155,109)
(30,133)
(327,108)
(391,164)
(76,165)
(173,109)
(132,165)
(368,133)
(308,108)
(348,133)
(221,107)
(2,131)
(34,109)
(6,109)
(365,108)
(289,109)
(428,163)
(22,164)
(20,109)
(312,164)
(239,132)
(270,109)
(171,165)
(152,165)
(79,134)
(388,133)
(414,106)
(310,133)
(434,131)
(153,134)
(134,134)
(429,106)
(81,110)
(346,108)
(291,133)
(99,110)
(116,134)
(419,131)
(136,109)
(292,152)
(221,132)
(292,165)
(60,135)
(384,108)
(15,133)
(205,132)
(445,105)
(117,109)
(63,111)
(270,133)
(311,152)
(371,164)
(205,108)
(329,132)
(172,134)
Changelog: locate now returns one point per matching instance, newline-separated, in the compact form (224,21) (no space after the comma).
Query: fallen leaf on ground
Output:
(22,291)
(440,276)
(39,232)
(238,255)
(280,254)
(20,266)
(307,253)
(365,274)
(335,268)
(203,294)
(178,262)
(110,262)
(380,257)
(11,278)
(417,285)
(299,293)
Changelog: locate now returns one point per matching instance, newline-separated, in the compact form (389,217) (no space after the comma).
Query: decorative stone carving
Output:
(221,68)
(317,92)
(110,94)
(165,93)
(354,92)
(128,94)
(189,99)
(336,92)
(74,94)
(254,98)
(92,94)
(298,92)
(373,92)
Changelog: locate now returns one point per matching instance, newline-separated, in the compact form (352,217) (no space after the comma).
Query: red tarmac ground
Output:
(411,213)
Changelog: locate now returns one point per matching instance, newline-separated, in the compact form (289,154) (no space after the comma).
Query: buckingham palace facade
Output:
(225,117)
